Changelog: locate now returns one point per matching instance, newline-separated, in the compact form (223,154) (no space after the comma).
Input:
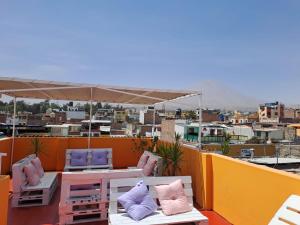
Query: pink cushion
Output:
(33,177)
(172,198)
(149,167)
(142,162)
(38,165)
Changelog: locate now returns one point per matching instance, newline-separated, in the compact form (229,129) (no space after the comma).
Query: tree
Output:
(225,147)
(191,115)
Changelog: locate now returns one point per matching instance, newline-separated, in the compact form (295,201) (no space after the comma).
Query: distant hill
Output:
(219,96)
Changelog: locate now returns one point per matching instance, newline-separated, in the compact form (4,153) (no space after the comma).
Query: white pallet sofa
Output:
(158,169)
(85,195)
(117,215)
(289,212)
(89,166)
(25,195)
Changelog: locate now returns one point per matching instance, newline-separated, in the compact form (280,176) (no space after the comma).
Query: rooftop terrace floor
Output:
(48,215)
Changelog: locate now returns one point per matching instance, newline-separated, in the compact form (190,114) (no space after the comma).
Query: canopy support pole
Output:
(200,120)
(13,134)
(90,124)
(153,125)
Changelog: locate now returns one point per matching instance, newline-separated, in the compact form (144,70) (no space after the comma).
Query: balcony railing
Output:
(241,192)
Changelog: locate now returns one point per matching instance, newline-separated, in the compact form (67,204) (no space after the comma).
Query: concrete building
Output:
(271,112)
(3,117)
(104,114)
(210,115)
(75,113)
(239,118)
(146,116)
(146,130)
(120,115)
(240,133)
(269,134)
(64,130)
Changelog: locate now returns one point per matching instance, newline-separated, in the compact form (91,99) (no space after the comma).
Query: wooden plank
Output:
(158,218)
(289,212)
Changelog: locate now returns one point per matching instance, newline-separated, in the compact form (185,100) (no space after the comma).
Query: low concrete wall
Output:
(259,149)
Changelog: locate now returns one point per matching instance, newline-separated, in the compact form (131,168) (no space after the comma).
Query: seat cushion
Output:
(142,161)
(78,158)
(38,165)
(172,198)
(99,157)
(32,175)
(149,167)
(137,202)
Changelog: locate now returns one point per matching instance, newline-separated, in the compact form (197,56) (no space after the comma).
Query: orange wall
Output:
(247,194)
(53,156)
(4,190)
(241,192)
(5,146)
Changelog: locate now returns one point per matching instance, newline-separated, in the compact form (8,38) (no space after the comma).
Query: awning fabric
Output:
(39,89)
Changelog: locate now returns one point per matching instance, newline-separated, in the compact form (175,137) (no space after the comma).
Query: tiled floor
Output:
(48,215)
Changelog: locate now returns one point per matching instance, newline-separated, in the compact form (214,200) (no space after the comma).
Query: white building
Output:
(269,134)
(74,112)
(64,129)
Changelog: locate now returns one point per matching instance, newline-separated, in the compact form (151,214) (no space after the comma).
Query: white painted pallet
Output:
(118,216)
(70,200)
(288,213)
(25,195)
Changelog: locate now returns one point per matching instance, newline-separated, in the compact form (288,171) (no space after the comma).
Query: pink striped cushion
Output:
(142,162)
(149,167)
(32,175)
(38,165)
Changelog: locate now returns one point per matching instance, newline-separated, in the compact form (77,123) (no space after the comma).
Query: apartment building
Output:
(271,112)
(147,116)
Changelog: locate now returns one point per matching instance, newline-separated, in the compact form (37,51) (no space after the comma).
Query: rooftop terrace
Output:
(239,192)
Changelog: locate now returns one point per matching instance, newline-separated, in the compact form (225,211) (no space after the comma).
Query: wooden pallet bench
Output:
(117,215)
(85,195)
(25,195)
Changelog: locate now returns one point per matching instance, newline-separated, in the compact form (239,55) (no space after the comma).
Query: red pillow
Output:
(32,175)
(172,198)
(38,165)
(149,167)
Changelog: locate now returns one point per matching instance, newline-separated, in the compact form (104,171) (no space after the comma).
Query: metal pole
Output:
(153,126)
(90,124)
(13,133)
(200,120)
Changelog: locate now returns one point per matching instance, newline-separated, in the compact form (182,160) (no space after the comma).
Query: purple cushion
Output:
(137,202)
(99,157)
(78,158)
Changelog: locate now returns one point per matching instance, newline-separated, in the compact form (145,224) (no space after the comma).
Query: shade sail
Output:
(40,89)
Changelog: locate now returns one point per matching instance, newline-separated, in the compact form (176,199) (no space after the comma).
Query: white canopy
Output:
(39,89)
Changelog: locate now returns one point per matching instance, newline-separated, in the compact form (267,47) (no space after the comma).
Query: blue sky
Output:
(251,46)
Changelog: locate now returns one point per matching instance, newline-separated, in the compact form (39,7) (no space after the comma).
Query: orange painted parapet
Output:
(5,146)
(198,166)
(53,150)
(4,191)
(247,194)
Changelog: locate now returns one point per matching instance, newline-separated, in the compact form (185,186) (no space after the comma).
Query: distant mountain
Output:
(218,96)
